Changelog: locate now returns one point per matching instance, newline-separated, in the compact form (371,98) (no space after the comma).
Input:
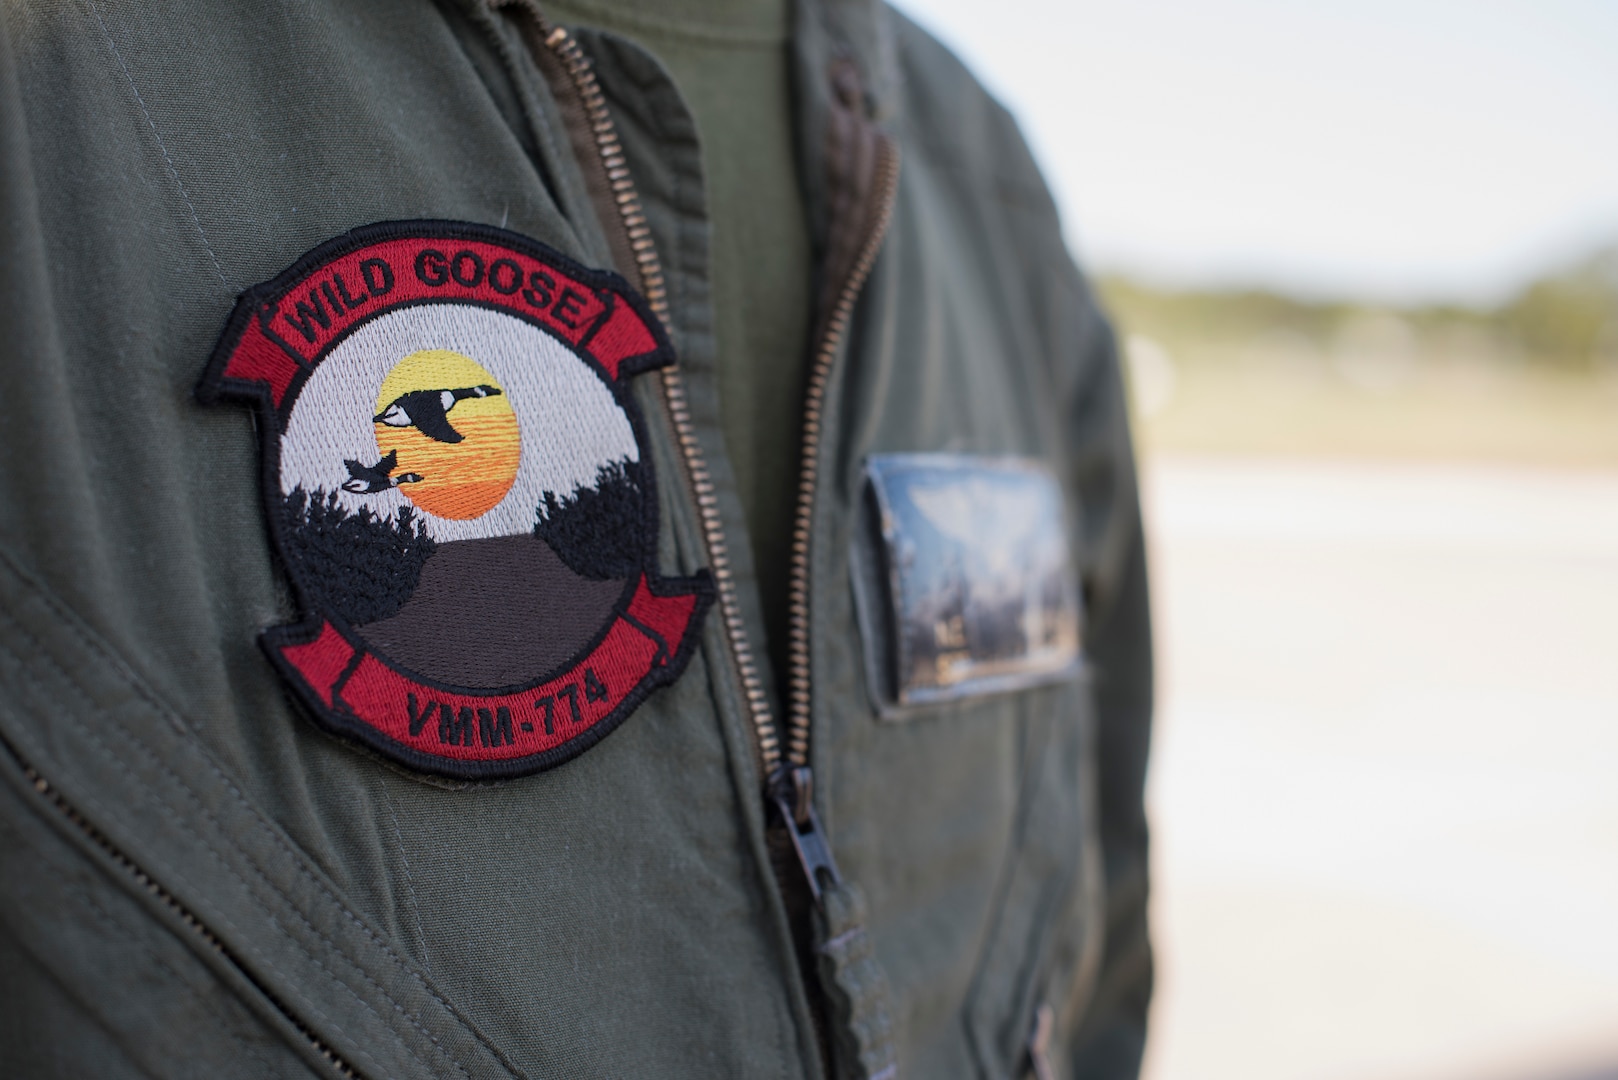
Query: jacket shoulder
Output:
(946,114)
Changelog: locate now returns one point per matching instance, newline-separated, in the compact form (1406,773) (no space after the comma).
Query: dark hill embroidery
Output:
(361,566)
(598,531)
(494,612)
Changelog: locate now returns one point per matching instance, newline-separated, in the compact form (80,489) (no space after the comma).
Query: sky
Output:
(1415,151)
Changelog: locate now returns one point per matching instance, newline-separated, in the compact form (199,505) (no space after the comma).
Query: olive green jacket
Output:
(195,880)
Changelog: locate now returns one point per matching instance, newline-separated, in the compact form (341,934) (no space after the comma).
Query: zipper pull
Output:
(855,987)
(793,792)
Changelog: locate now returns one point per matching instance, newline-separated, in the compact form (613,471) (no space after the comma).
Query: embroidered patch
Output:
(459,485)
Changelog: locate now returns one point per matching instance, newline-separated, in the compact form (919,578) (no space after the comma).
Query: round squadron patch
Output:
(459,485)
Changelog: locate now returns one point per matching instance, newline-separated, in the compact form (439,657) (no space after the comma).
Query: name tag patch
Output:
(459,485)
(963,578)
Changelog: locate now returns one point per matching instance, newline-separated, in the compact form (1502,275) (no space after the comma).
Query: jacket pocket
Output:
(963,579)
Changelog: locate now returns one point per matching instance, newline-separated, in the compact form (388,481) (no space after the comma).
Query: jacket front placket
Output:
(851,203)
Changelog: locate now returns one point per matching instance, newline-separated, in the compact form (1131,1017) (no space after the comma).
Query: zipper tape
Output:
(884,192)
(623,202)
(129,775)
(60,807)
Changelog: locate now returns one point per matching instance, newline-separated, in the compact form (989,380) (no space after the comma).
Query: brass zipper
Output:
(633,219)
(788,780)
(884,191)
(180,911)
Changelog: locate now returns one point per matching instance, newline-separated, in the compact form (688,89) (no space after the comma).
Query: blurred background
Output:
(1364,257)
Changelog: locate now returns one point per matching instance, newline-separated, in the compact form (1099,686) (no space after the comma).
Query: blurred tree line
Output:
(1567,320)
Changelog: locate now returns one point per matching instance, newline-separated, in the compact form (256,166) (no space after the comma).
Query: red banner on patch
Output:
(345,676)
(293,326)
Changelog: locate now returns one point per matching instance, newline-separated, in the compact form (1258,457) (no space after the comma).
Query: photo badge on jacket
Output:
(459,485)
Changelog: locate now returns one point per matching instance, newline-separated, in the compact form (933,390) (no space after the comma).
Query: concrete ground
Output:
(1385,784)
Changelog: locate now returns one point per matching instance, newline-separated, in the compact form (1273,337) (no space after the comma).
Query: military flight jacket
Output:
(195,879)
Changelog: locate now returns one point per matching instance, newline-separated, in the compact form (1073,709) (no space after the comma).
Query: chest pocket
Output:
(963,580)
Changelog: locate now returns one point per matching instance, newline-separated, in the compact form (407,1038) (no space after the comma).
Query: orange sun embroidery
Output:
(448,430)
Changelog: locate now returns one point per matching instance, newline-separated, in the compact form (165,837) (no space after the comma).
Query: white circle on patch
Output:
(571,426)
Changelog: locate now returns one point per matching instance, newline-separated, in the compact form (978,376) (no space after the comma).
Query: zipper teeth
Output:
(809,476)
(191,922)
(655,289)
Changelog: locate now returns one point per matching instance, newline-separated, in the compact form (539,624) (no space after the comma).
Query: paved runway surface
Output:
(1385,789)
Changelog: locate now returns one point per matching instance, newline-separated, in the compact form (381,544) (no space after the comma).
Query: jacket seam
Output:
(410,882)
(119,929)
(536,116)
(168,161)
(68,622)
(172,814)
(247,947)
(133,683)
